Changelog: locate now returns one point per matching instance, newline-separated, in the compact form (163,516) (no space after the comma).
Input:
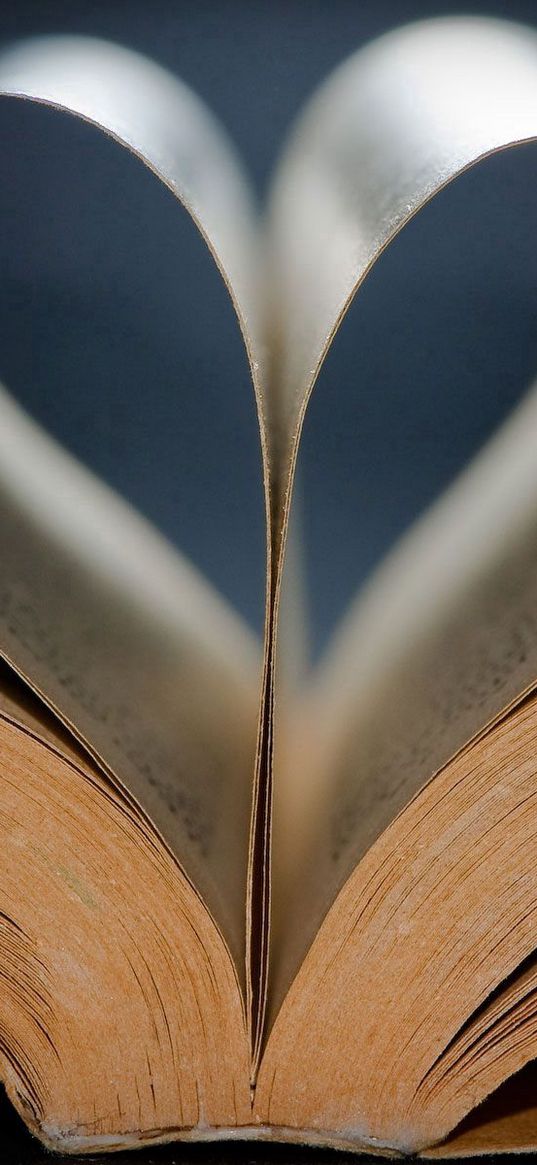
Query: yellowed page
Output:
(505,1123)
(122,1017)
(133,649)
(366,156)
(120,635)
(416,998)
(389,129)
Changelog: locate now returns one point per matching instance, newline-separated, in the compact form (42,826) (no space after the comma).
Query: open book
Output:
(232,905)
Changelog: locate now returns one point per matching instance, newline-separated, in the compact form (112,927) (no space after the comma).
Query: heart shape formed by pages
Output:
(150,712)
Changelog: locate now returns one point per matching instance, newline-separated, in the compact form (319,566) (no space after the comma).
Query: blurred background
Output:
(117,334)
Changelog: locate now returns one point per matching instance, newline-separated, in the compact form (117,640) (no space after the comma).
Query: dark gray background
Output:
(116,332)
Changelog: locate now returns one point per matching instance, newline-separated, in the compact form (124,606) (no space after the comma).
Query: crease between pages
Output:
(390,129)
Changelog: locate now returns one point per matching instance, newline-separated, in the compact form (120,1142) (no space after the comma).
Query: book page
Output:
(118,634)
(136,654)
(388,130)
(441,642)
(95,907)
(168,128)
(417,996)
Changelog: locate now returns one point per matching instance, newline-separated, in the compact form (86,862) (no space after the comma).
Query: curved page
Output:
(392,126)
(387,131)
(116,632)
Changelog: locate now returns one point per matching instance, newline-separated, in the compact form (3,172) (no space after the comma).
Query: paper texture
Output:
(389,129)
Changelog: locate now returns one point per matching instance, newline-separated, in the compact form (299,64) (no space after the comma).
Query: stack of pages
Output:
(231,906)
